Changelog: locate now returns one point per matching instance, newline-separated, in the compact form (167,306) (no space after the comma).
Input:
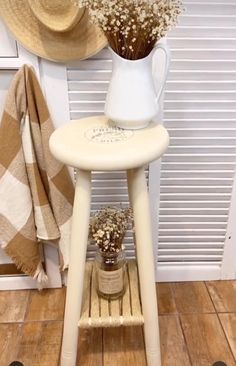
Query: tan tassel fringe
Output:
(39,275)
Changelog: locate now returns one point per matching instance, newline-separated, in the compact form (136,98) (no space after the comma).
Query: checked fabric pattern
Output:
(36,191)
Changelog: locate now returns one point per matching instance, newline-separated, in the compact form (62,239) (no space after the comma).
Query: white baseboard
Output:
(20,283)
(177,273)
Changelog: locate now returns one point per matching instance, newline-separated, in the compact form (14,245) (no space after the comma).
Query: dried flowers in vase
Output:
(107,229)
(133,27)
(108,226)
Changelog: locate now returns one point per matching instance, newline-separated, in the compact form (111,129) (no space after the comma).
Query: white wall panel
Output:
(8,47)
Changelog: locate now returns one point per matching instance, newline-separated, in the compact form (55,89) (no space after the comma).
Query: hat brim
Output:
(82,41)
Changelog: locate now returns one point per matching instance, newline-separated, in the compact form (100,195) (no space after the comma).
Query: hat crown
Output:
(57,15)
(54,6)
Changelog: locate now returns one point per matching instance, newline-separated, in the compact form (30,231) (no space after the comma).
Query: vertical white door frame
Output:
(228,269)
(155,167)
(55,87)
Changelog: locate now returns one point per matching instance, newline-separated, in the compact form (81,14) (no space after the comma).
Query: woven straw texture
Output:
(57,15)
(82,41)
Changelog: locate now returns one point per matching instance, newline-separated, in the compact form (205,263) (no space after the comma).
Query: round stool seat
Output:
(94,143)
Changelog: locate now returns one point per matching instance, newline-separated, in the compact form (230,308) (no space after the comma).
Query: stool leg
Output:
(140,201)
(79,240)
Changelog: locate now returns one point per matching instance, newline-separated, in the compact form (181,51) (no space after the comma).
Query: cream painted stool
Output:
(95,144)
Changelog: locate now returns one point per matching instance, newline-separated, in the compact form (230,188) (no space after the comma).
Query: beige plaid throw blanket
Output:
(36,191)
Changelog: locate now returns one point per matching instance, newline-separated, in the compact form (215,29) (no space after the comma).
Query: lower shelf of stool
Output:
(98,312)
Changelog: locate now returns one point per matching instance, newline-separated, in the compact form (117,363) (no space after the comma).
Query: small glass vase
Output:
(110,274)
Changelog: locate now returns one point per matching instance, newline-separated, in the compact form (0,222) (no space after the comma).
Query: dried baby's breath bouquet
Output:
(132,27)
(108,226)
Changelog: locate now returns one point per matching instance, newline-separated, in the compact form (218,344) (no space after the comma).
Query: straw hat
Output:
(53,29)
(57,15)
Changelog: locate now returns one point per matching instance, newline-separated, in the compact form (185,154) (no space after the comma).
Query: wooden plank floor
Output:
(197,326)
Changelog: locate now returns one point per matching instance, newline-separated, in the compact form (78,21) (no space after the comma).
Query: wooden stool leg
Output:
(140,202)
(79,240)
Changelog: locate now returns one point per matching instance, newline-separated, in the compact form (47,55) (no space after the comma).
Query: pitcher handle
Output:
(165,48)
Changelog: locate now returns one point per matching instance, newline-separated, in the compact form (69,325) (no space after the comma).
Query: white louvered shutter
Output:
(198,169)
(200,114)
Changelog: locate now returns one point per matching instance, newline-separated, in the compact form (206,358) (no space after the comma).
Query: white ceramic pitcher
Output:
(132,100)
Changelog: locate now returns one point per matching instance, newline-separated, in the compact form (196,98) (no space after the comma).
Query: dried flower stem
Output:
(133,27)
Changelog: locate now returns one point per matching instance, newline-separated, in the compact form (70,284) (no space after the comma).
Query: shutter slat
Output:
(173,182)
(192,245)
(93,64)
(206,204)
(192,251)
(84,114)
(202,76)
(199,114)
(110,191)
(98,75)
(192,238)
(201,85)
(203,174)
(205,95)
(190,218)
(194,257)
(195,196)
(191,166)
(192,226)
(205,8)
(202,104)
(186,213)
(87,85)
(201,123)
(208,65)
(205,54)
(87,95)
(203,31)
(203,42)
(206,20)
(202,140)
(177,150)
(196,190)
